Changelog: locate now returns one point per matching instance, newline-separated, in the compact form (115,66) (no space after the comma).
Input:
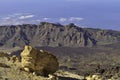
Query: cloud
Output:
(35,21)
(45,19)
(16,18)
(15,14)
(5,18)
(63,19)
(10,22)
(26,17)
(75,19)
(22,18)
(71,19)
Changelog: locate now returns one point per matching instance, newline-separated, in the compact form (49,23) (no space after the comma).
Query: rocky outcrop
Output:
(3,54)
(94,77)
(39,62)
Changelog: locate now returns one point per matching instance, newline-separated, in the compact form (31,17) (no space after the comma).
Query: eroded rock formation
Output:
(40,62)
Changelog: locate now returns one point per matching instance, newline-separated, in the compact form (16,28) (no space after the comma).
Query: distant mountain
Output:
(55,35)
(104,37)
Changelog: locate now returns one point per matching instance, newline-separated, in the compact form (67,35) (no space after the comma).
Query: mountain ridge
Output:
(55,35)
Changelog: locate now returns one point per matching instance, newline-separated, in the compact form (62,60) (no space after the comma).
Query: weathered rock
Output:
(14,59)
(94,77)
(3,54)
(40,62)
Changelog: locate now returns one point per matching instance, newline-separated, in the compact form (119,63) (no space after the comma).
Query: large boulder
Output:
(40,62)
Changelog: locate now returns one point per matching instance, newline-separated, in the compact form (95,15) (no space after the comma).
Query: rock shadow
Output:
(67,78)
(4,65)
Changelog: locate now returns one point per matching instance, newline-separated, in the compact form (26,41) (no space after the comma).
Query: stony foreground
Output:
(12,68)
(32,65)
(13,71)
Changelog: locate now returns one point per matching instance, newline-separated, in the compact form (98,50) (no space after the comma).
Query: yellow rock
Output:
(94,77)
(14,59)
(89,78)
(40,62)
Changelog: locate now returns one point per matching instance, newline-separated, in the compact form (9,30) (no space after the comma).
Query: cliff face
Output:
(54,35)
(104,36)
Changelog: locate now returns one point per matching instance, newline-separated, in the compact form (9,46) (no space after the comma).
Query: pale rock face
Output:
(14,59)
(27,69)
(94,77)
(40,62)
(28,57)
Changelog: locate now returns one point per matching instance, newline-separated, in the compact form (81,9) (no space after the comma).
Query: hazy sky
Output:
(87,13)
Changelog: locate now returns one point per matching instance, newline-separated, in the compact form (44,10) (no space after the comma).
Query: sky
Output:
(103,14)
